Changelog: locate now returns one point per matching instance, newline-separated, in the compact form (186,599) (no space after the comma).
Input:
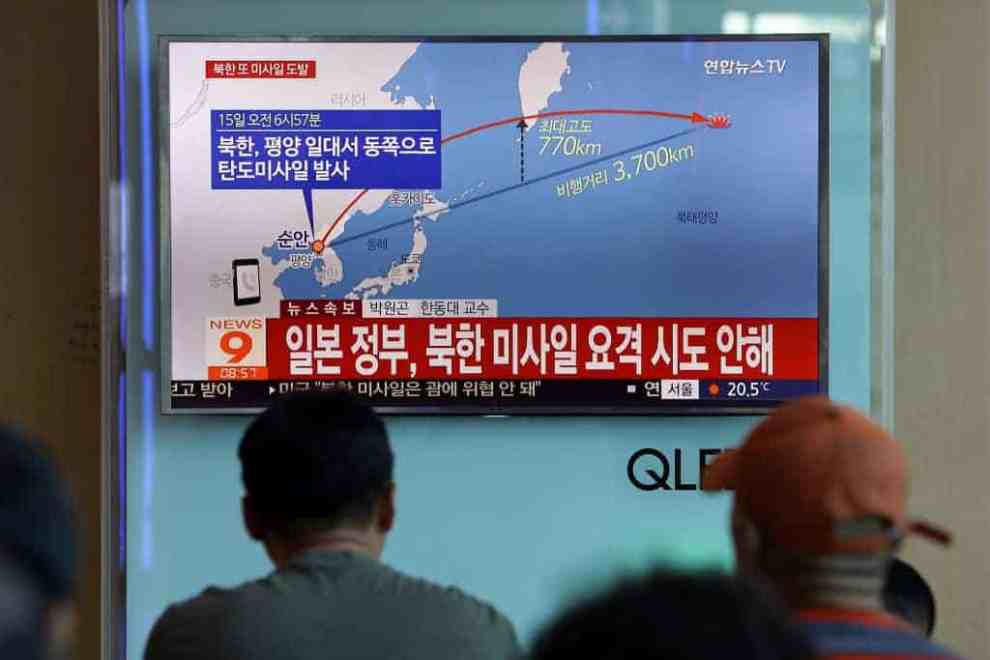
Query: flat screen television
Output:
(495,225)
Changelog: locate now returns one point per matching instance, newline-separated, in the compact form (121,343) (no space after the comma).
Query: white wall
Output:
(941,298)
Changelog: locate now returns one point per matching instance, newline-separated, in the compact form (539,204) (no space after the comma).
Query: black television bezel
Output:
(727,407)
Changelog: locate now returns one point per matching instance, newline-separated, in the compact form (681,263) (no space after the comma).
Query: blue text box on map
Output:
(325,149)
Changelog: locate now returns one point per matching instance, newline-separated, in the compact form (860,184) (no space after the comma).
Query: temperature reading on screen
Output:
(748,390)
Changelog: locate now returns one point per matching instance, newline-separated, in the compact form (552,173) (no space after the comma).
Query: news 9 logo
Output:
(235,343)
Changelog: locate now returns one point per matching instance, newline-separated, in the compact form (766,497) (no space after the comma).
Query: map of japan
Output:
(572,178)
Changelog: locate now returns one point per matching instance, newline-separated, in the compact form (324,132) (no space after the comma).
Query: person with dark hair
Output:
(820,493)
(671,616)
(317,471)
(37,554)
(906,595)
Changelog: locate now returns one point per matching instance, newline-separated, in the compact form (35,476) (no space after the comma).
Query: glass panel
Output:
(524,512)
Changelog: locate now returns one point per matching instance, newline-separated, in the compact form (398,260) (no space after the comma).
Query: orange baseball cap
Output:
(820,478)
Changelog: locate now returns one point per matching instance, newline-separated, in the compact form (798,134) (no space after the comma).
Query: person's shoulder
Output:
(457,606)
(193,628)
(205,605)
(185,628)
(480,610)
(451,596)
(838,640)
(922,655)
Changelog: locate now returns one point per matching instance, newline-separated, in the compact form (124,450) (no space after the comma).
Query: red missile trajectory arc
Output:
(714,121)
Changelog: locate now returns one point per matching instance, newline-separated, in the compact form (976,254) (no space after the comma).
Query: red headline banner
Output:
(260,68)
(535,348)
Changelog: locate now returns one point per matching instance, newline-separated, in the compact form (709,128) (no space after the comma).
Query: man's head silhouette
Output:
(317,470)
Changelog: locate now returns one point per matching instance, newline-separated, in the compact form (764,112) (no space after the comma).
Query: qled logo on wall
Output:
(651,469)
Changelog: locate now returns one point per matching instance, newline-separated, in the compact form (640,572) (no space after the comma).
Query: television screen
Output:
(495,225)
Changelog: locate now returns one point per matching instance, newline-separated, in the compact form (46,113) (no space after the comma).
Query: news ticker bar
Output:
(495,394)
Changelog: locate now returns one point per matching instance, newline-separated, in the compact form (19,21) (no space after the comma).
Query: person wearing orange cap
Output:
(819,503)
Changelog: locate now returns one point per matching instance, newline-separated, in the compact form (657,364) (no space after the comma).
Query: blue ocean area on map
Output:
(617,249)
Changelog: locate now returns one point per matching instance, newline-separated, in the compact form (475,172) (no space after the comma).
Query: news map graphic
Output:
(425,212)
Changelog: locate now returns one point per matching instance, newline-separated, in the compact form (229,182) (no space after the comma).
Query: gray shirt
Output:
(329,605)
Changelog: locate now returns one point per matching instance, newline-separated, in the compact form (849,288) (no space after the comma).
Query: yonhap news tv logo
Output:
(650,469)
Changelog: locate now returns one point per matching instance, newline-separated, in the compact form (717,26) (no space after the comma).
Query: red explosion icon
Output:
(719,121)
